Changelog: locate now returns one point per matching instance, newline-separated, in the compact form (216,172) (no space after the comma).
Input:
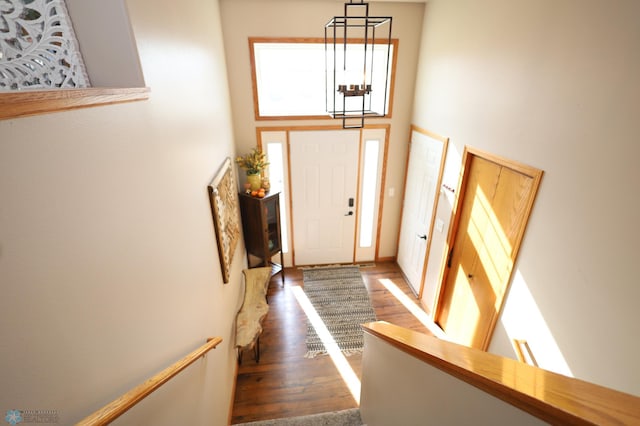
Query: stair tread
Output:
(349,417)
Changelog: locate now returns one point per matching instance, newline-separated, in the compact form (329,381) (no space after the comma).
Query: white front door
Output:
(324,169)
(423,173)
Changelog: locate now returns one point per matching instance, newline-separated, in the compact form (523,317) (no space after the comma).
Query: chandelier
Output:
(357,64)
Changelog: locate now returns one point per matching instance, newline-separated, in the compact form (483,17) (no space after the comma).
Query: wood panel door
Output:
(491,215)
(422,184)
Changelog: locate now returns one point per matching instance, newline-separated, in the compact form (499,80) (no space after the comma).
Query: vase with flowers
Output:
(254,165)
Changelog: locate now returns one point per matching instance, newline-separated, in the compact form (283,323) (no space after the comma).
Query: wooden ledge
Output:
(26,103)
(549,396)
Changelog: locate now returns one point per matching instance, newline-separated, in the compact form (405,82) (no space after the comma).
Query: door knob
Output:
(469,276)
(424,237)
(349,214)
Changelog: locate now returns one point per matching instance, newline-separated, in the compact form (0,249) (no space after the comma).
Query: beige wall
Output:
(292,18)
(108,264)
(554,84)
(107,42)
(412,391)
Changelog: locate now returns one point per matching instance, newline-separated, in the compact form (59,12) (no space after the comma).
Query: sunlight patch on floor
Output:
(340,361)
(413,307)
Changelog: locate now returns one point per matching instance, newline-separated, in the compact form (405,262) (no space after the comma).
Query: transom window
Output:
(289,78)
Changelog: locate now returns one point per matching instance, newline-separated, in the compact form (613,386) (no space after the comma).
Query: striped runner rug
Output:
(340,298)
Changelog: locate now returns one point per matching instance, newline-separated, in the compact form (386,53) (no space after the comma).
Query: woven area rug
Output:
(342,302)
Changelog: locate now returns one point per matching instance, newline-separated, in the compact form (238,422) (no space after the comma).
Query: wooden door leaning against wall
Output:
(496,198)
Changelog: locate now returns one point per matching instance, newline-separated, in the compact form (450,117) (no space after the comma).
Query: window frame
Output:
(311,40)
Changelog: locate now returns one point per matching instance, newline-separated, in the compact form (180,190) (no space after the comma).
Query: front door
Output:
(324,171)
(420,196)
(492,214)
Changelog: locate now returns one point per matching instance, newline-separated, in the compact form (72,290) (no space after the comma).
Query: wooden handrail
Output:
(117,407)
(551,397)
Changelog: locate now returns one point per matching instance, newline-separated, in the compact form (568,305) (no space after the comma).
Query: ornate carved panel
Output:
(226,218)
(38,47)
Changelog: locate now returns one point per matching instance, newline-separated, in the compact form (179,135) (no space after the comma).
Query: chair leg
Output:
(282,265)
(239,356)
(257,350)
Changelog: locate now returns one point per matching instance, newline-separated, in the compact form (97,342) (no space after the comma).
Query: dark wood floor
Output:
(285,383)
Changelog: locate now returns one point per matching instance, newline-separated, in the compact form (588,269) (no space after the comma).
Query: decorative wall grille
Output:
(38,47)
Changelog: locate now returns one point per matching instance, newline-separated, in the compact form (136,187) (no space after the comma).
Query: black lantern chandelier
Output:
(357,64)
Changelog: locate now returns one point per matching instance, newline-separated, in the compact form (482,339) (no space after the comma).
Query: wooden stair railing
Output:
(119,406)
(552,397)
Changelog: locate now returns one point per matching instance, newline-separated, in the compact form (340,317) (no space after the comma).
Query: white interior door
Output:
(324,168)
(423,173)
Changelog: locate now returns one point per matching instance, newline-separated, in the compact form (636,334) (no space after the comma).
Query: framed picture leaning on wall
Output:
(223,195)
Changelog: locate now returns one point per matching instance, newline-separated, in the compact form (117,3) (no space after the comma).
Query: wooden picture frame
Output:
(223,196)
